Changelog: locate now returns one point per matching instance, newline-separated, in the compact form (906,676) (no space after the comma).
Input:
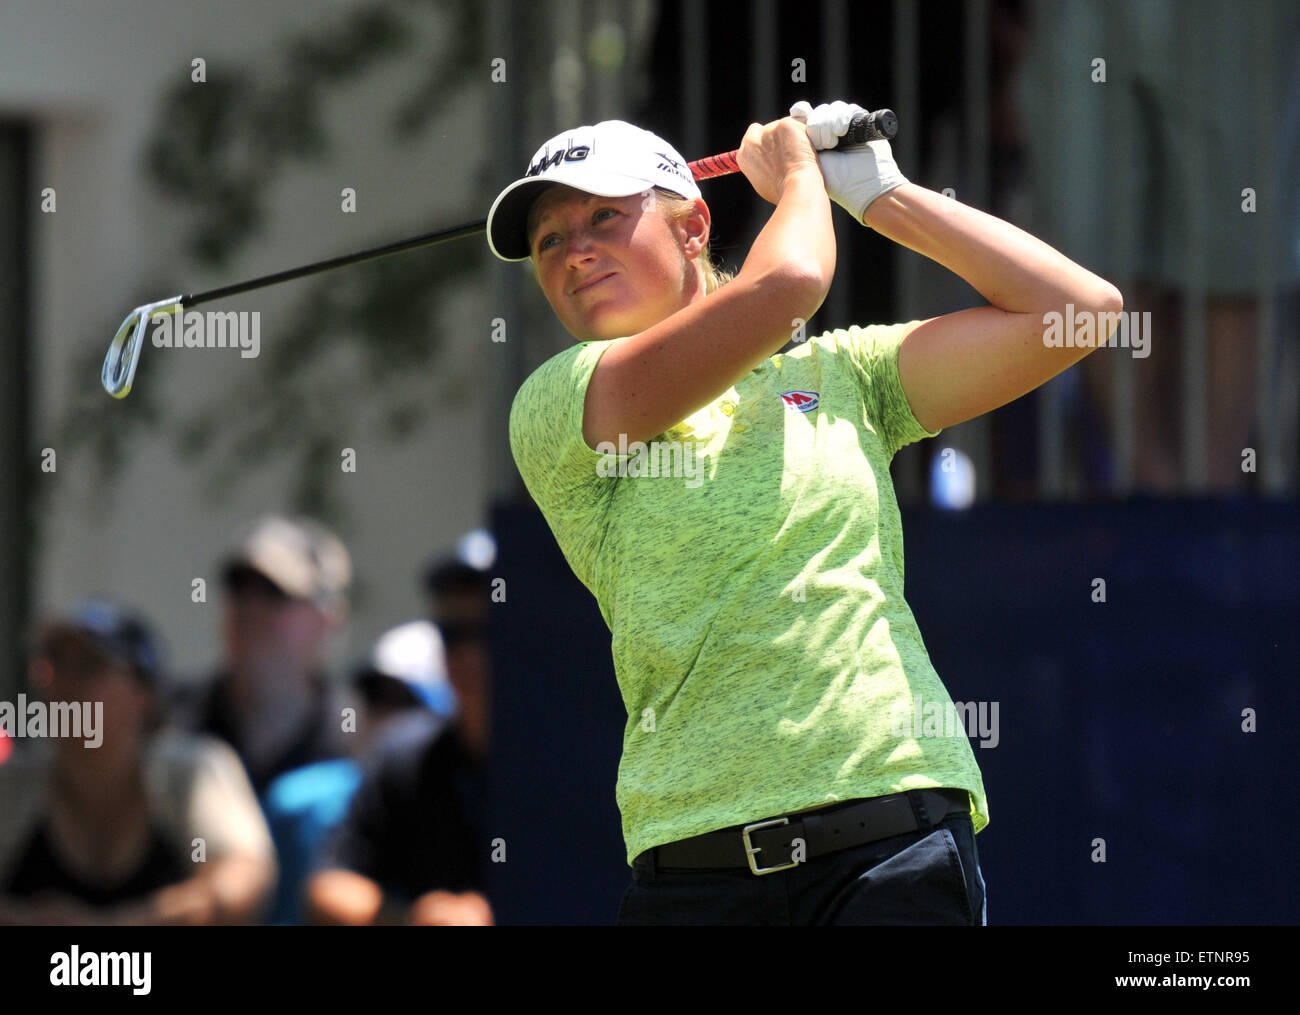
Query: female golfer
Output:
(732,512)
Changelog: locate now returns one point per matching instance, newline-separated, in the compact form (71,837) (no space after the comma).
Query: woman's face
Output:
(613,266)
(72,672)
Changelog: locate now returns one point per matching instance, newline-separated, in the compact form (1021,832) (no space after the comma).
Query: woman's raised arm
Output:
(962,365)
(647,382)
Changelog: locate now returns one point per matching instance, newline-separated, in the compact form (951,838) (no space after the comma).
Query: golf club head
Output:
(124,352)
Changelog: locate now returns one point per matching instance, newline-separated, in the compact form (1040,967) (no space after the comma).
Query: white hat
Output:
(299,555)
(612,159)
(413,653)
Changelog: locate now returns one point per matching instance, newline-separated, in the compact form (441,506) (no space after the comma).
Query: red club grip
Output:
(715,165)
(882,124)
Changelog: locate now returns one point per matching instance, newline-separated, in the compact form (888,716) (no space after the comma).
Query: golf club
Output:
(123,356)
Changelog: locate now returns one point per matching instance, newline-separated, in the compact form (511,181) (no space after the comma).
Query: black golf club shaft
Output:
(118,372)
(414,243)
(865,127)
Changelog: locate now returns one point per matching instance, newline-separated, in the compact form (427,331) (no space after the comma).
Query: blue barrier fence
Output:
(1119,721)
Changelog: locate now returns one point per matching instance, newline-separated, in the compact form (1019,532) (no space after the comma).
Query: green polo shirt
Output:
(749,564)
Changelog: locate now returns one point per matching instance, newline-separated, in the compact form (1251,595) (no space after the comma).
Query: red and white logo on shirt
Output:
(802,401)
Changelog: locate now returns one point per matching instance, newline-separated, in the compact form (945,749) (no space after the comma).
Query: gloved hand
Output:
(854,176)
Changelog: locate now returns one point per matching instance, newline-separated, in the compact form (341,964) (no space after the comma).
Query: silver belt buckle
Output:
(751,849)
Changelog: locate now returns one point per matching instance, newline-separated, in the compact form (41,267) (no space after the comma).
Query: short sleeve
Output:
(201,791)
(872,353)
(557,466)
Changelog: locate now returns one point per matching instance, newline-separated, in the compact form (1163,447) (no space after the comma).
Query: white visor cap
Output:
(611,158)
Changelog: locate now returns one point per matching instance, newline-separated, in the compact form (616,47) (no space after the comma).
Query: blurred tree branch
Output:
(361,335)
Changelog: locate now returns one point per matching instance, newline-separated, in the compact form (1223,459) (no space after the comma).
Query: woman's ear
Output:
(696,226)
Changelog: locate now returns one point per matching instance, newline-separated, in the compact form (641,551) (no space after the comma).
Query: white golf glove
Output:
(854,176)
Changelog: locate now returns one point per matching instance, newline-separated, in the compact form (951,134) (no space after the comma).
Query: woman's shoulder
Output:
(859,337)
(172,745)
(567,364)
(197,785)
(176,759)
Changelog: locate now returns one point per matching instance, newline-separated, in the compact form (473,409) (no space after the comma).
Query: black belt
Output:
(769,845)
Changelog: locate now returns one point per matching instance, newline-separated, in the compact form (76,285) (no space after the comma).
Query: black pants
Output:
(927,877)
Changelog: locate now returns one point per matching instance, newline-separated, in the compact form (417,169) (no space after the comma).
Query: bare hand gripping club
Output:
(124,352)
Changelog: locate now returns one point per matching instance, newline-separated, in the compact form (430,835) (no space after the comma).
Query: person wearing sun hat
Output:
(285,582)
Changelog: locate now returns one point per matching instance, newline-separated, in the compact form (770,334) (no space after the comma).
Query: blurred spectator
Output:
(411,850)
(406,671)
(107,834)
(945,147)
(458,595)
(286,586)
(407,668)
(1189,110)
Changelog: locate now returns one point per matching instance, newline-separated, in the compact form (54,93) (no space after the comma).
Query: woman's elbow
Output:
(1102,297)
(1114,299)
(807,286)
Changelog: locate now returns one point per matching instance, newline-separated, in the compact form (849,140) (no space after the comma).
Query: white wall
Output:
(90,75)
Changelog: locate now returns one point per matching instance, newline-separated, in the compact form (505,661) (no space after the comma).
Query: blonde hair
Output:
(676,209)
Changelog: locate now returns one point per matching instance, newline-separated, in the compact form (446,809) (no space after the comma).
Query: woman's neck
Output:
(99,816)
(99,780)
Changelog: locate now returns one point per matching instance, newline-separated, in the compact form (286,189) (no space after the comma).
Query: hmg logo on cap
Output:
(574,153)
(803,401)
